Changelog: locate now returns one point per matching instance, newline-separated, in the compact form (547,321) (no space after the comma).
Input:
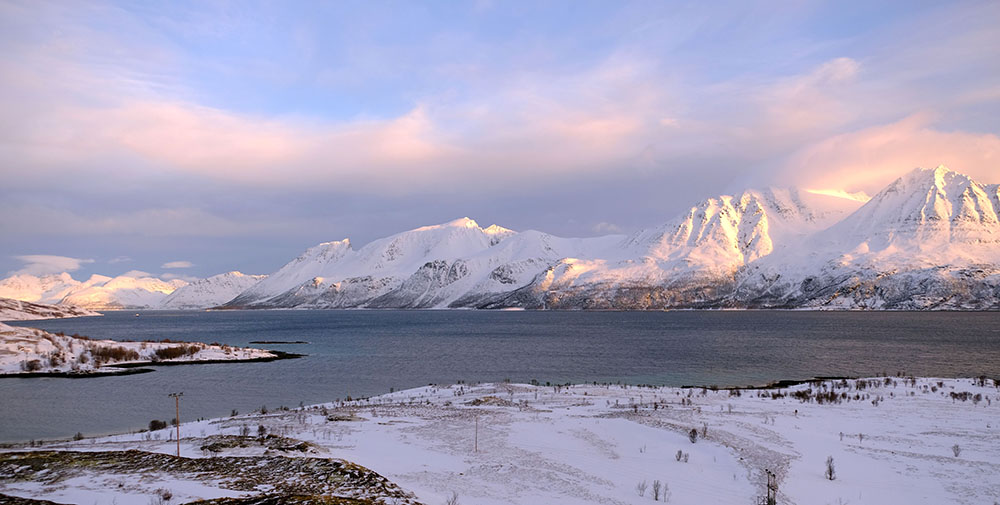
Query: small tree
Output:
(656,490)
(693,435)
(641,488)
(830,473)
(956,450)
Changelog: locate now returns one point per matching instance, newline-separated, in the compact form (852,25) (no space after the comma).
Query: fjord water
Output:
(362,353)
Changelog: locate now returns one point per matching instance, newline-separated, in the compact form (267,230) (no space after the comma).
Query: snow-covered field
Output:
(30,350)
(892,440)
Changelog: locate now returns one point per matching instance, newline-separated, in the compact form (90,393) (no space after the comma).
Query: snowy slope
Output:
(210,292)
(17,310)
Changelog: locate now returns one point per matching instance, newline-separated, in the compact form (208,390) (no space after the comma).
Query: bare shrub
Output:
(679,455)
(641,488)
(453,500)
(113,353)
(830,473)
(693,435)
(156,424)
(176,351)
(956,450)
(656,490)
(164,494)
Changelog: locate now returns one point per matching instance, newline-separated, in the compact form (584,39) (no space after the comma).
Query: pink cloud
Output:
(871,158)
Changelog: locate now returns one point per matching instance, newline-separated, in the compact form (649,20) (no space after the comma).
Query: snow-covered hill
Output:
(17,310)
(211,291)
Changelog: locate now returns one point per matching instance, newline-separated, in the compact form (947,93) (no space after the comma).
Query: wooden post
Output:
(177,405)
(476,447)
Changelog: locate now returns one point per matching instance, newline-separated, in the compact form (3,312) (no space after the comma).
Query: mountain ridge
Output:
(929,240)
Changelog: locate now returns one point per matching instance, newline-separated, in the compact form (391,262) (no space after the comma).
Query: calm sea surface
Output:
(363,353)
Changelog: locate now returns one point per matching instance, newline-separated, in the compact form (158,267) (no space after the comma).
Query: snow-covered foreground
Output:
(891,441)
(33,351)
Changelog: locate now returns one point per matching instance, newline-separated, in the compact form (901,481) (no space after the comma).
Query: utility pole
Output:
(177,404)
(772,488)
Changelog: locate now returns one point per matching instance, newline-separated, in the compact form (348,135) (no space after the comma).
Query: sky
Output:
(186,139)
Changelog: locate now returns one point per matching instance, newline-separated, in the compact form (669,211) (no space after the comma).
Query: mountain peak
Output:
(463,222)
(924,209)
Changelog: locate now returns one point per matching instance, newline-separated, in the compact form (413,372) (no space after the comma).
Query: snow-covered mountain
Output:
(459,264)
(691,259)
(929,240)
(211,291)
(124,292)
(333,274)
(133,290)
(48,289)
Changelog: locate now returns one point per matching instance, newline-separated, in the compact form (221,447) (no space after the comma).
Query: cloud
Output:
(870,158)
(46,264)
(603,228)
(171,276)
(640,119)
(119,259)
(137,274)
(857,196)
(177,264)
(42,219)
